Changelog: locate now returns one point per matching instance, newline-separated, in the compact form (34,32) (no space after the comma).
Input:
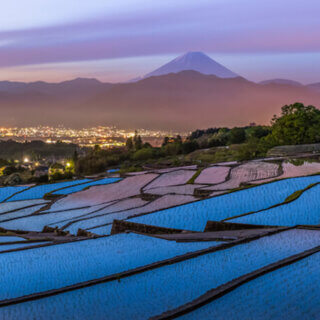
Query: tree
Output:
(3,162)
(165,141)
(257,132)
(147,145)
(143,154)
(298,124)
(250,150)
(96,149)
(189,146)
(129,144)
(199,133)
(237,135)
(137,141)
(172,149)
(75,157)
(219,138)
(178,139)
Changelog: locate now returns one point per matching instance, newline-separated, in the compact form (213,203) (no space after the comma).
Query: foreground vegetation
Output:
(297,124)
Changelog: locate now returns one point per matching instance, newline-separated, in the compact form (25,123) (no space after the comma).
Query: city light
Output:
(105,137)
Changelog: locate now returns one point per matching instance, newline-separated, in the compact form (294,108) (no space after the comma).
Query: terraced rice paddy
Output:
(171,179)
(255,170)
(140,271)
(291,292)
(61,265)
(37,222)
(153,292)
(13,246)
(194,216)
(95,195)
(165,170)
(12,206)
(304,211)
(102,219)
(19,213)
(4,239)
(291,170)
(104,230)
(82,186)
(213,175)
(86,218)
(6,192)
(37,192)
(187,189)
(99,210)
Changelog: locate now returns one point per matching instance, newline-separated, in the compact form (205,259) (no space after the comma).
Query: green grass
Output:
(215,155)
(194,177)
(294,196)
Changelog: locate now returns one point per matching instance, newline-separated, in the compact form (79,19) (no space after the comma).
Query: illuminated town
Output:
(104,136)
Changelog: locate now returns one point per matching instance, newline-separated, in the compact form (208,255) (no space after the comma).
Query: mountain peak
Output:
(193,54)
(196,61)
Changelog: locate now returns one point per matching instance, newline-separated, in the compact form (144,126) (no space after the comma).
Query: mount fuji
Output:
(195,61)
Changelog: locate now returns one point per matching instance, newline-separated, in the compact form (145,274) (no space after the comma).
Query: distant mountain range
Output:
(65,89)
(282,81)
(192,91)
(315,86)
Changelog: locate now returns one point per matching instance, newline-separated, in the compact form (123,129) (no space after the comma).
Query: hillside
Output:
(192,100)
(185,100)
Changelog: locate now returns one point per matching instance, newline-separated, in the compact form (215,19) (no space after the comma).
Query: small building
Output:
(26,165)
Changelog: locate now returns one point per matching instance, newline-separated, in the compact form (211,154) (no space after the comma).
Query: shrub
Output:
(143,154)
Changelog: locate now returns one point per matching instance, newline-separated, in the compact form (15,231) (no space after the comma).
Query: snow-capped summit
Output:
(197,61)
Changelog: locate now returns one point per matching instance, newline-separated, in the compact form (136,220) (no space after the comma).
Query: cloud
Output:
(140,28)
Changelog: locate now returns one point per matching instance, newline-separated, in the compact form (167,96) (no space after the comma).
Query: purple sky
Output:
(116,40)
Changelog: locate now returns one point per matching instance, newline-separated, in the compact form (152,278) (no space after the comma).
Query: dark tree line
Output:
(35,150)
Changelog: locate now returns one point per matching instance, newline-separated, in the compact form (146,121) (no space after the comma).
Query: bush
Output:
(11,169)
(172,149)
(189,146)
(237,135)
(61,176)
(250,150)
(43,178)
(144,154)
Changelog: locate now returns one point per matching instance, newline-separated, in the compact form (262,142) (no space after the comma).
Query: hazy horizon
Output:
(115,42)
